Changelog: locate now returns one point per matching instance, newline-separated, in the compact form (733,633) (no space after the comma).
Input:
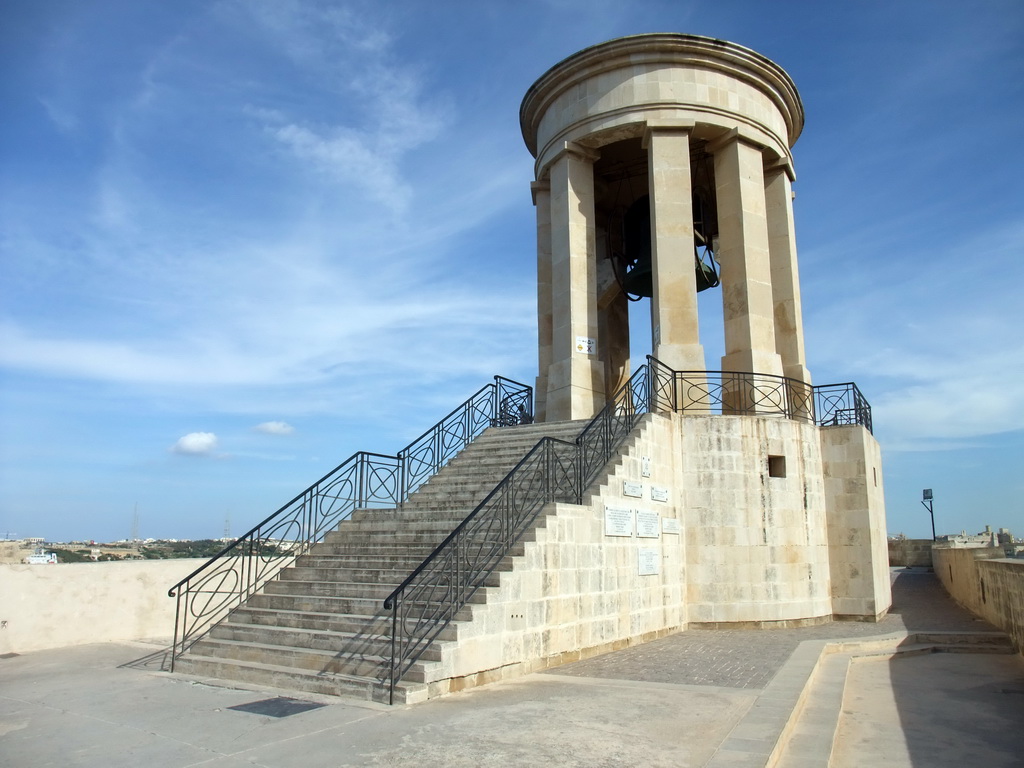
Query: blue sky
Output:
(241,240)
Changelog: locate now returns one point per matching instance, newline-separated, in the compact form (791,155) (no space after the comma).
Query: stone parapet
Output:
(52,606)
(987,583)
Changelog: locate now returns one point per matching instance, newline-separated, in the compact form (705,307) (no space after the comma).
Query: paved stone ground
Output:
(750,658)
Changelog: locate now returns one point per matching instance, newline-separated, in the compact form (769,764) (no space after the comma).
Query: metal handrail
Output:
(364,480)
(554,470)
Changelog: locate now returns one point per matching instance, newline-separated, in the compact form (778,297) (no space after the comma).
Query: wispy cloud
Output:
(275,428)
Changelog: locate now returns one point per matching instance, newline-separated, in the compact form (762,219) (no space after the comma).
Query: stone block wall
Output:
(577,590)
(910,553)
(857,542)
(754,513)
(52,606)
(702,520)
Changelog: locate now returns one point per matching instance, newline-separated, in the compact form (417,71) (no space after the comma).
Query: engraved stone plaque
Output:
(630,488)
(670,525)
(650,562)
(645,466)
(618,521)
(659,494)
(647,526)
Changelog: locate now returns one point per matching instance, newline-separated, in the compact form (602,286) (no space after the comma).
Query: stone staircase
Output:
(320,626)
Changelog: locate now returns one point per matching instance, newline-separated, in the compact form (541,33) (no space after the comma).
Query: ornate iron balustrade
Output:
(365,480)
(840,404)
(731,393)
(554,470)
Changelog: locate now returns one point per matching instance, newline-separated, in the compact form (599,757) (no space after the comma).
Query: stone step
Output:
(354,606)
(382,573)
(361,688)
(347,589)
(369,644)
(412,525)
(356,664)
(328,622)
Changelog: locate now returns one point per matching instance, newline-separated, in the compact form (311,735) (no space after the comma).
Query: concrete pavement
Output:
(701,698)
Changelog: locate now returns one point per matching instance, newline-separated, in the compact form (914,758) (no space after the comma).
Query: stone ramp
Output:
(800,674)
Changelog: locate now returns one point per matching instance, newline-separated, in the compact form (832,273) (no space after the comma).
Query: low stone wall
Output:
(52,606)
(910,553)
(986,583)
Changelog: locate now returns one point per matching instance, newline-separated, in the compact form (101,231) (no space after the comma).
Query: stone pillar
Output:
(613,330)
(541,191)
(789,325)
(575,376)
(675,333)
(747,301)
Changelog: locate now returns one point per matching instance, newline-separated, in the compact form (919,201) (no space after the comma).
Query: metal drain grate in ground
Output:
(277,707)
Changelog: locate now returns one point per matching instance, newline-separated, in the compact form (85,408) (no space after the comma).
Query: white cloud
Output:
(275,428)
(195,444)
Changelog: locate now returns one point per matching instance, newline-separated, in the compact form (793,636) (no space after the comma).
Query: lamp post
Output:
(926,502)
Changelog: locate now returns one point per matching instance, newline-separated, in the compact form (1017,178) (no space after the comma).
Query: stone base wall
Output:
(857,542)
(52,606)
(754,513)
(692,524)
(578,591)
(985,582)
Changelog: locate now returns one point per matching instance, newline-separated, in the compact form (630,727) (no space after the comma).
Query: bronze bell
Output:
(636,235)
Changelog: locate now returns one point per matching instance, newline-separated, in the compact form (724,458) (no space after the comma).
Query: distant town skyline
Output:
(241,241)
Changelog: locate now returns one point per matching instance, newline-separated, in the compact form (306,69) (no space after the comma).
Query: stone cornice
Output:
(663,48)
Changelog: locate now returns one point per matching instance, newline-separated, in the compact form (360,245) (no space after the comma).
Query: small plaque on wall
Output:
(671,525)
(618,521)
(659,494)
(645,466)
(649,561)
(630,488)
(586,346)
(647,526)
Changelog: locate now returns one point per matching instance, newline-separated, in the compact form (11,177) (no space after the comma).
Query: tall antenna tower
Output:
(135,523)
(227,524)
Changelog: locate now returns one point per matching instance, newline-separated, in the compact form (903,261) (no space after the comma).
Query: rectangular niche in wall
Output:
(776,466)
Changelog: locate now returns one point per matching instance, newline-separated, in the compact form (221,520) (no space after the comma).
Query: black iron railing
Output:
(558,471)
(365,480)
(841,404)
(554,470)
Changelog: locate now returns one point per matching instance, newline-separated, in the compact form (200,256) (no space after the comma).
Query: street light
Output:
(926,502)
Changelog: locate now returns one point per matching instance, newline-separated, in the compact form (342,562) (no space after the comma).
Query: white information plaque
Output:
(671,525)
(618,521)
(659,494)
(645,466)
(647,525)
(650,562)
(586,346)
(630,488)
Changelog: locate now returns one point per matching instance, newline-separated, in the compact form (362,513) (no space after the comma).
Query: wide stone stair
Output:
(320,626)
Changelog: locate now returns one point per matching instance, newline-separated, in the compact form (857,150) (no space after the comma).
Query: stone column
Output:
(675,333)
(747,301)
(575,376)
(541,191)
(789,326)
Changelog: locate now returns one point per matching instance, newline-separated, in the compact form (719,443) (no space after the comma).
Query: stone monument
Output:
(663,168)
